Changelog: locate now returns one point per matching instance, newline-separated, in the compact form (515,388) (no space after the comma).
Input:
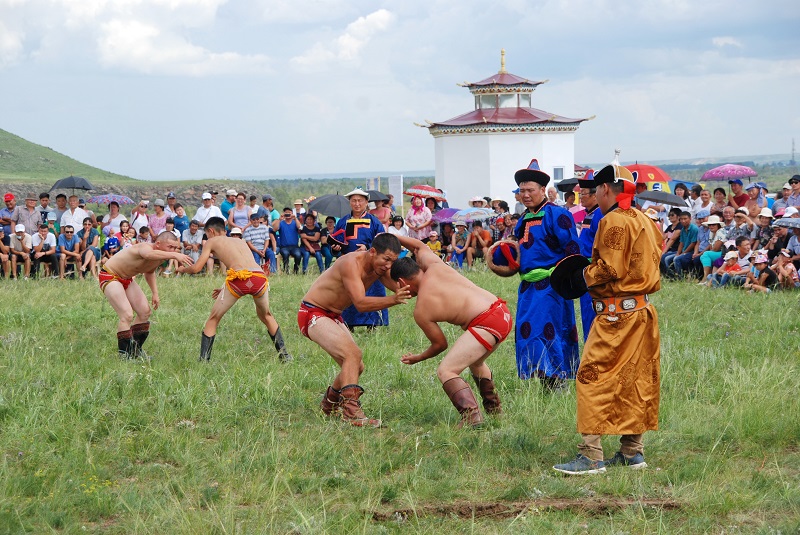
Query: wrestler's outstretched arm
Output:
(434,334)
(351,279)
(201,261)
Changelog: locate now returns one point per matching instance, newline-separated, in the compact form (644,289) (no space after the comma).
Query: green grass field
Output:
(94,444)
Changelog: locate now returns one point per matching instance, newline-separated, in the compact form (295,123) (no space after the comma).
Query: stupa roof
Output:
(509,116)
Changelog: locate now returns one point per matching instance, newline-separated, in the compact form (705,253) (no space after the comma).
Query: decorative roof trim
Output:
(501,89)
(439,130)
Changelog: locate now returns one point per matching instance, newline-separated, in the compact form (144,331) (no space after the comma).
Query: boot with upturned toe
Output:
(463,400)
(351,407)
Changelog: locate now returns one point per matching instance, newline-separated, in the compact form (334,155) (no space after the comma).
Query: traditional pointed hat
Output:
(532,174)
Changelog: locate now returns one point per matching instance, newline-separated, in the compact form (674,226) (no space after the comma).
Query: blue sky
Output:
(162,89)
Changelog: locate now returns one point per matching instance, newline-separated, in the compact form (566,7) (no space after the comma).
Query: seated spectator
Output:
(720,202)
(69,248)
(743,224)
(236,232)
(787,273)
(717,237)
(478,243)
(192,240)
(113,218)
(446,237)
(89,248)
(761,278)
(20,249)
(327,252)
(110,248)
(502,228)
(288,229)
(310,237)
(434,244)
(5,252)
(671,236)
(129,238)
(44,251)
(794,247)
(722,274)
(458,246)
(778,242)
(145,236)
(261,242)
(690,263)
(687,245)
(762,233)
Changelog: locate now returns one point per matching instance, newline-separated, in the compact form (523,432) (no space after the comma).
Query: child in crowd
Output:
(786,271)
(434,244)
(761,278)
(728,269)
(128,238)
(144,236)
(458,245)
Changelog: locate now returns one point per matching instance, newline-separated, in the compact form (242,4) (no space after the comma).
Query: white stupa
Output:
(478,152)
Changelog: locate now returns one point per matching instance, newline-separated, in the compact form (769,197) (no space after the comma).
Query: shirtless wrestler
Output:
(244,278)
(320,319)
(127,298)
(445,295)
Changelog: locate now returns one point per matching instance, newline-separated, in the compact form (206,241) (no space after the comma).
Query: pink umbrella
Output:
(729,171)
(578,213)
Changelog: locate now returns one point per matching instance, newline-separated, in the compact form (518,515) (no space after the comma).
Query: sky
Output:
(167,89)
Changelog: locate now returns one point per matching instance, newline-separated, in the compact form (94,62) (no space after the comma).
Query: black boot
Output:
(125,344)
(140,333)
(206,344)
(283,353)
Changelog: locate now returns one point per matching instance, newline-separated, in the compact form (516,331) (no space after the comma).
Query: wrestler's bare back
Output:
(329,292)
(233,252)
(446,296)
(129,262)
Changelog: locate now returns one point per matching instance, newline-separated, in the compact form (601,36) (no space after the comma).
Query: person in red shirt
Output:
(737,197)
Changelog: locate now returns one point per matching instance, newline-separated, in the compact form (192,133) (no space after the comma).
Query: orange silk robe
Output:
(618,379)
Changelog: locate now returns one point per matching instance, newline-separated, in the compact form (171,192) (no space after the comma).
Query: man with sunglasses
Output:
(794,197)
(127,298)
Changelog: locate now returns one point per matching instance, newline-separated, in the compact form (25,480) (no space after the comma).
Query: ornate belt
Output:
(611,306)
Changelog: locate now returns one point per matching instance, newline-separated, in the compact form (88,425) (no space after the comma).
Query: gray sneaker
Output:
(634,463)
(580,466)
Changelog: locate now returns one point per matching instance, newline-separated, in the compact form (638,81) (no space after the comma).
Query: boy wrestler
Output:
(244,278)
(319,319)
(127,298)
(445,295)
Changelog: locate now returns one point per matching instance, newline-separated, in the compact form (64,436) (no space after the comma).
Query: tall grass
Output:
(94,444)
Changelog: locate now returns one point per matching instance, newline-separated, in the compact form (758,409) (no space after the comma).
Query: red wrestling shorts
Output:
(246,282)
(308,314)
(496,320)
(105,277)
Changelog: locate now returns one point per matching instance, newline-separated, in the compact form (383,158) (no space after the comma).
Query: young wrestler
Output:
(319,318)
(127,298)
(244,278)
(445,295)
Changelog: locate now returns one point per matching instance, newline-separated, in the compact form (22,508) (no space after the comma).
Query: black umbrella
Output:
(73,182)
(661,197)
(331,204)
(567,185)
(375,195)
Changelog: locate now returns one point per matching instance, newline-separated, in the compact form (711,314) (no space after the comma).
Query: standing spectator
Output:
(227,204)
(720,202)
(207,210)
(703,202)
(82,206)
(267,203)
(68,249)
(519,208)
(171,207)
(89,247)
(737,198)
(180,219)
(9,216)
(157,221)
(384,213)
(794,197)
(139,217)
(192,240)
(288,239)
(61,206)
(113,218)
(44,250)
(780,201)
(5,252)
(74,215)
(44,206)
(254,207)
(552,196)
(310,237)
(546,335)
(419,220)
(239,214)
(28,216)
(588,231)
(753,206)
(52,224)
(618,382)
(398,226)
(327,251)
(261,242)
(681,191)
(359,229)
(20,249)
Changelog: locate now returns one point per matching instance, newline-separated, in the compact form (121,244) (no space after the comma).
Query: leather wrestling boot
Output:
(351,407)
(140,333)
(206,343)
(330,401)
(283,353)
(125,344)
(491,401)
(463,400)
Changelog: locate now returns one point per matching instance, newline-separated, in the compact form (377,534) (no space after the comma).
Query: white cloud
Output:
(10,46)
(348,46)
(720,42)
(147,48)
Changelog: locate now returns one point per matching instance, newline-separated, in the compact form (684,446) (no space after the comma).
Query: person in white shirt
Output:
(207,211)
(74,215)
(20,250)
(139,217)
(113,218)
(44,250)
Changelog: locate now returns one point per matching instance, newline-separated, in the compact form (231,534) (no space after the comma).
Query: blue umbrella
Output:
(468,215)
